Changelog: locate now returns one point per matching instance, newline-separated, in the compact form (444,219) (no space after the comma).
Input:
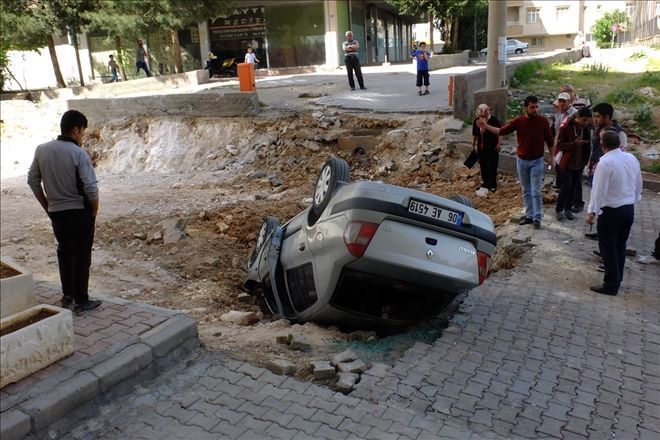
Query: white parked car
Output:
(513,46)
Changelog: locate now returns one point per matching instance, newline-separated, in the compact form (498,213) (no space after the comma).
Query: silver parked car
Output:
(513,46)
(370,253)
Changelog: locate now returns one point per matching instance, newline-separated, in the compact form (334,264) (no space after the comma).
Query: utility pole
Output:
(496,60)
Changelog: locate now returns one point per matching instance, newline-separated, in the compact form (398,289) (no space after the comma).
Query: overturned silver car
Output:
(369,253)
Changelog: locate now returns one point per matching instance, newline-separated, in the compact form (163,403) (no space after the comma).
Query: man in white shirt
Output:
(351,48)
(616,188)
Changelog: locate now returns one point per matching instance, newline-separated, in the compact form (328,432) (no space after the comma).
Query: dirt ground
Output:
(222,190)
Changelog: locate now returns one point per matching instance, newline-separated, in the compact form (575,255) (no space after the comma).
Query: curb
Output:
(57,395)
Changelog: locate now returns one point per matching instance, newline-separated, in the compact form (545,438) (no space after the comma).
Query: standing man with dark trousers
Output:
(616,188)
(70,197)
(352,61)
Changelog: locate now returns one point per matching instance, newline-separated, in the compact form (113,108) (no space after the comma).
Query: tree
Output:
(29,25)
(452,14)
(136,17)
(602,28)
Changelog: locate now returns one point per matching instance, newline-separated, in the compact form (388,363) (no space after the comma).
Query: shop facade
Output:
(308,32)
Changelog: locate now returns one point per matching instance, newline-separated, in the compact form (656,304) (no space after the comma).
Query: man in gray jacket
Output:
(70,197)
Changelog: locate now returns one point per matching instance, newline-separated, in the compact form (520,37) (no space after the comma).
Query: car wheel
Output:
(519,51)
(334,172)
(267,228)
(462,200)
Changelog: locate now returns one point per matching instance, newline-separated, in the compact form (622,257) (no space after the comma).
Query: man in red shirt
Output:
(532,130)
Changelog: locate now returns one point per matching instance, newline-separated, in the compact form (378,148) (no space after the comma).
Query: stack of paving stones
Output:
(112,343)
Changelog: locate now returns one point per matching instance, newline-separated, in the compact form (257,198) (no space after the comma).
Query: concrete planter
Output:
(16,292)
(33,339)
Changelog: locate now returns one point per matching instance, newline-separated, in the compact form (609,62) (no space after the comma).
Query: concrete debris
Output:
(323,370)
(325,121)
(222,227)
(346,382)
(275,181)
(282,339)
(244,298)
(647,91)
(173,235)
(240,318)
(299,342)
(308,200)
(232,149)
(202,215)
(344,356)
(630,252)
(280,367)
(140,235)
(482,192)
(311,145)
(357,366)
(257,174)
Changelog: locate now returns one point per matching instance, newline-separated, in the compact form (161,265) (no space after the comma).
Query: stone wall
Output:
(466,84)
(186,105)
(445,61)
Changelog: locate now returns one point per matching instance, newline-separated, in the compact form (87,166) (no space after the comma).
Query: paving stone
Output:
(280,367)
(356,366)
(300,424)
(344,356)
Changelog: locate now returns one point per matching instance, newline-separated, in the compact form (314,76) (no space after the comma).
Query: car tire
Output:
(519,51)
(334,172)
(267,228)
(463,200)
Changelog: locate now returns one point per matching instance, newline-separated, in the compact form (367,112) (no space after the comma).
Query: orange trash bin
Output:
(246,79)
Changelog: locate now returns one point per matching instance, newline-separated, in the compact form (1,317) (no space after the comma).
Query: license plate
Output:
(435,212)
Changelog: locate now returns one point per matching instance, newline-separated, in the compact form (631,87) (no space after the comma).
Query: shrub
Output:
(597,69)
(637,55)
(602,29)
(643,113)
(650,79)
(624,96)
(447,49)
(525,72)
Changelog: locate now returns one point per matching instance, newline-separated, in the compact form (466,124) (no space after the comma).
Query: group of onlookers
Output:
(578,139)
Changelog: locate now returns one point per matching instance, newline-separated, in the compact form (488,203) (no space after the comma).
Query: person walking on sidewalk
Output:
(422,57)
(70,197)
(352,61)
(616,188)
(141,57)
(532,130)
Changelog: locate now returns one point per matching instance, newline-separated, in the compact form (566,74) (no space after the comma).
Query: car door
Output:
(510,47)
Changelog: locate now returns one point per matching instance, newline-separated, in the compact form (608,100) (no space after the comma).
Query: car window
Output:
(510,43)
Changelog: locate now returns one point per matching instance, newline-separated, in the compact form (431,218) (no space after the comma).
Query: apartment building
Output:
(554,24)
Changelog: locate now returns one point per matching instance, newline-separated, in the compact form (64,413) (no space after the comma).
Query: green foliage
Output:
(651,168)
(602,29)
(637,55)
(623,96)
(525,72)
(651,79)
(514,107)
(597,69)
(447,49)
(643,113)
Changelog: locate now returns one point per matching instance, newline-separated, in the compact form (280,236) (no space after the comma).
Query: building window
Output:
(562,13)
(533,15)
(537,41)
(513,15)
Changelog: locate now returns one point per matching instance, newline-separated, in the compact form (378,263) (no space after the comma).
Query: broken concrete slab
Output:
(378,370)
(323,370)
(344,356)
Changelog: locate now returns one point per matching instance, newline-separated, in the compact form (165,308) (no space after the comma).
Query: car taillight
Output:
(357,236)
(484,261)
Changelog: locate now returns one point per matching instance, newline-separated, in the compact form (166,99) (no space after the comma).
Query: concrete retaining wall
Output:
(465,85)
(445,61)
(123,88)
(187,105)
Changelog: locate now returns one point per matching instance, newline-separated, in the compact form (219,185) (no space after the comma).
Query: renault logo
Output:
(429,254)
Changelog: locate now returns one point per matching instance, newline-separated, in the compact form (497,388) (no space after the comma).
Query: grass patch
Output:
(595,69)
(651,168)
(624,96)
(525,72)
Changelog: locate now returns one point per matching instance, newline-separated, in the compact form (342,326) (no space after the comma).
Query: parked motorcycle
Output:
(228,67)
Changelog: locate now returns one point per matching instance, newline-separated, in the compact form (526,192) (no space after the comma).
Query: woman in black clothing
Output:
(487,145)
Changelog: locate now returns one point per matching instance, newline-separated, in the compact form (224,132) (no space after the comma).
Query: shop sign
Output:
(241,23)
